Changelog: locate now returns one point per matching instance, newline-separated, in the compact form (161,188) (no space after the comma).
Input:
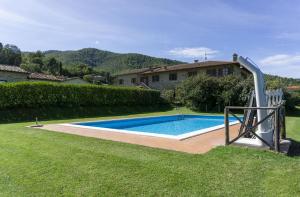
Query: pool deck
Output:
(197,144)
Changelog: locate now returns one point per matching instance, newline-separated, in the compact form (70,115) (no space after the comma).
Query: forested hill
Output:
(107,61)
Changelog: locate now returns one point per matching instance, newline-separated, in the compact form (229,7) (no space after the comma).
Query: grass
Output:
(40,163)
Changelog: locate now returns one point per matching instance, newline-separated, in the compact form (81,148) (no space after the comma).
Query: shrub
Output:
(199,92)
(36,94)
(203,92)
(210,93)
(168,95)
(292,99)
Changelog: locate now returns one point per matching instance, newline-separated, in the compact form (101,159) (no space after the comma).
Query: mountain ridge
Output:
(102,60)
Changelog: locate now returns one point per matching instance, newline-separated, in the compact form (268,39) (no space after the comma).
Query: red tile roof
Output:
(9,68)
(134,71)
(41,76)
(293,87)
(179,67)
(189,66)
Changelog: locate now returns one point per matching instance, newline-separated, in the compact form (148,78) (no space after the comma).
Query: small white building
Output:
(10,73)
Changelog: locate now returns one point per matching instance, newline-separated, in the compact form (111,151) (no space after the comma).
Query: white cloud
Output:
(11,18)
(282,64)
(281,59)
(195,52)
(289,36)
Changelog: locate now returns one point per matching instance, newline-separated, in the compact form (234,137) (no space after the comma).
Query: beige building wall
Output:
(126,80)
(12,76)
(164,82)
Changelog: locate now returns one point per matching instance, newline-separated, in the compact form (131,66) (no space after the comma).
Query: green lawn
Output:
(40,163)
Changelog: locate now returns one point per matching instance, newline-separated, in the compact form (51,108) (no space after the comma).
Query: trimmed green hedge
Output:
(37,94)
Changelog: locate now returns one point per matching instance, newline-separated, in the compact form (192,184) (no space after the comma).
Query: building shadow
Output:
(294,113)
(294,150)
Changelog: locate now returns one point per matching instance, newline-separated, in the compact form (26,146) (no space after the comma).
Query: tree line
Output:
(108,61)
(38,62)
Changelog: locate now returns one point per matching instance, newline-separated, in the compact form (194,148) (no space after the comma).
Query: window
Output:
(155,78)
(220,72)
(121,81)
(211,72)
(173,76)
(225,71)
(230,70)
(192,73)
(133,80)
(144,79)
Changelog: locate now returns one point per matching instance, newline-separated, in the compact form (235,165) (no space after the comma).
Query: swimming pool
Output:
(175,126)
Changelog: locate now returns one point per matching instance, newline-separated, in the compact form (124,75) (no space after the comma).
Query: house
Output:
(167,77)
(12,74)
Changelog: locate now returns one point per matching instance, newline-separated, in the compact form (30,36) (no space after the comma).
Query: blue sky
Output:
(266,31)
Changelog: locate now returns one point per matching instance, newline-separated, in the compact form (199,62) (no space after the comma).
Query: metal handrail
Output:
(279,124)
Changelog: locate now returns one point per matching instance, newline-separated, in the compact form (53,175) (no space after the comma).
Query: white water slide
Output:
(264,130)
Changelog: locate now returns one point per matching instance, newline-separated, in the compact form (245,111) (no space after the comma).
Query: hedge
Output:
(43,94)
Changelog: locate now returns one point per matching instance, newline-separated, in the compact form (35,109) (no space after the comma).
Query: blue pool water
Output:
(167,125)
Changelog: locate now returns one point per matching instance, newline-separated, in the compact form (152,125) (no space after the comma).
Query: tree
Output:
(60,68)
(33,62)
(32,67)
(1,55)
(199,92)
(52,66)
(36,58)
(79,70)
(37,62)
(10,54)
